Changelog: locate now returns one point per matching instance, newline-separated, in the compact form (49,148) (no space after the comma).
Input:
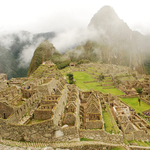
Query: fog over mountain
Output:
(107,39)
(16,51)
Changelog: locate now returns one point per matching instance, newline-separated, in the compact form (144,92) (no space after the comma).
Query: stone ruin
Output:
(50,110)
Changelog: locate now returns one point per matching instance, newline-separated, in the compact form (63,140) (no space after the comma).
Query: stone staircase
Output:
(24,120)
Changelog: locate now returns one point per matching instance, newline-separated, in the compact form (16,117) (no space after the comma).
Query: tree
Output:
(139,90)
(70,76)
(101,77)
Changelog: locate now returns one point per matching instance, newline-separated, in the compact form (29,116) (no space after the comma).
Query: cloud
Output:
(27,53)
(69,39)
(6,41)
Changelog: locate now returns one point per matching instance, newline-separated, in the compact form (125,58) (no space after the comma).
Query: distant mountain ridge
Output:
(12,45)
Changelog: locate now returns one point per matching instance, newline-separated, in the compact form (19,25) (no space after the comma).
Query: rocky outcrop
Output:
(42,53)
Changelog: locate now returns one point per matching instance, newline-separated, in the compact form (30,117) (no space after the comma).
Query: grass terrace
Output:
(133,103)
(82,77)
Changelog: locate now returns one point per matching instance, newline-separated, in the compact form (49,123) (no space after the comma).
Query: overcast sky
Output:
(59,15)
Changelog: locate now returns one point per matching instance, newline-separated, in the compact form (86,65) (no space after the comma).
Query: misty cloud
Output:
(69,39)
(27,53)
(6,41)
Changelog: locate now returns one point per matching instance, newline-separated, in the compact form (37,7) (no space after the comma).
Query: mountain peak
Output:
(106,17)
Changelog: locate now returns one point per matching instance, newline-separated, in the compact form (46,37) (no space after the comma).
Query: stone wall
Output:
(137,135)
(43,114)
(5,111)
(101,135)
(70,118)
(67,134)
(44,131)
(94,124)
(78,111)
(48,102)
(128,96)
(129,137)
(29,105)
(140,135)
(46,89)
(60,107)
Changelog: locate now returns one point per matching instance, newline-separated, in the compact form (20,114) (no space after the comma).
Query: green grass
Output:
(82,77)
(108,124)
(140,143)
(85,139)
(32,121)
(133,103)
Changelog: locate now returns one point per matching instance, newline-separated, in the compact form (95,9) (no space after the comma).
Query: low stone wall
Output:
(66,134)
(5,110)
(108,84)
(42,114)
(43,131)
(108,87)
(137,135)
(90,81)
(101,135)
(94,124)
(140,135)
(30,105)
(128,96)
(48,102)
(129,137)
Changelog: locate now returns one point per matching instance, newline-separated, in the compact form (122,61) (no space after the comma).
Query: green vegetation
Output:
(32,121)
(83,77)
(133,103)
(85,139)
(61,65)
(139,90)
(70,77)
(108,124)
(101,77)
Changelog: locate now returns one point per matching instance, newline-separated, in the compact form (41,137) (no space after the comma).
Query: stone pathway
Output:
(14,145)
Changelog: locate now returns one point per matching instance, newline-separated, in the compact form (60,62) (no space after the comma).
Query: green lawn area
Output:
(133,103)
(108,124)
(84,77)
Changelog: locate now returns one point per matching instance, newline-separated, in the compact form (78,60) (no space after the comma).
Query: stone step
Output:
(24,120)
